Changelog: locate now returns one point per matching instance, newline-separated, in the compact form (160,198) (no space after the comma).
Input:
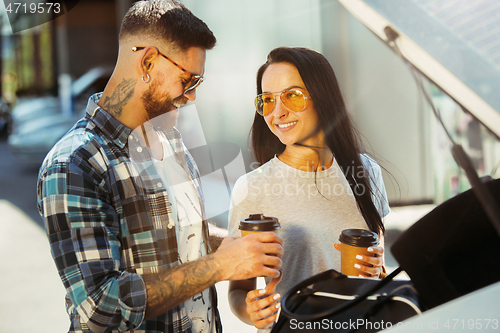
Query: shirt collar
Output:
(108,124)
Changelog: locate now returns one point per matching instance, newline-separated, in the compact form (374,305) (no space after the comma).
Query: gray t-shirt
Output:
(311,220)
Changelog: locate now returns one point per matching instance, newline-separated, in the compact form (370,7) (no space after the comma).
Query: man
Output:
(121,196)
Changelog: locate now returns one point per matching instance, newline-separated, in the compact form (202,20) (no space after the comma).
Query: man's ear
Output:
(148,59)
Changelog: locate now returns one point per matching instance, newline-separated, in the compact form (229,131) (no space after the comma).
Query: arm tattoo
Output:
(167,289)
(121,96)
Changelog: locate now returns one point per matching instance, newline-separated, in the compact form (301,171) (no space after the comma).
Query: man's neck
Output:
(120,99)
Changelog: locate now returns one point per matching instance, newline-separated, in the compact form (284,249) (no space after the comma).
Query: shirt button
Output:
(139,149)
(159,184)
(131,137)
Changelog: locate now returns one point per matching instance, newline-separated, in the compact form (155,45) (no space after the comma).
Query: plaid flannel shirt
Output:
(109,221)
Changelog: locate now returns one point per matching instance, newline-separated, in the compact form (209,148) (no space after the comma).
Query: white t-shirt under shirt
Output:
(311,220)
(186,210)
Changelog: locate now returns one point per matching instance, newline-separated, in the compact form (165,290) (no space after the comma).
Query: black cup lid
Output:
(259,222)
(359,237)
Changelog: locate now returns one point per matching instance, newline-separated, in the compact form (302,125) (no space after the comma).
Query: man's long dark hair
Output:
(341,136)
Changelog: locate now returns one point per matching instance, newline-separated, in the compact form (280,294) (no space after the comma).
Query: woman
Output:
(313,177)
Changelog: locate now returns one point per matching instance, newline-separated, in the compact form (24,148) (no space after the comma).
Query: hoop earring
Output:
(147,80)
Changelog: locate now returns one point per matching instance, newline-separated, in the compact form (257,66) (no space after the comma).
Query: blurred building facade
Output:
(84,37)
(397,125)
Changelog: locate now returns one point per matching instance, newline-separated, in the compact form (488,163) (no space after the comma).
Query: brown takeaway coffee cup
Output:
(352,243)
(258,223)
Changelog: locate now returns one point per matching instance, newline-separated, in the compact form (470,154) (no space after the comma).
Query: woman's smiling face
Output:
(290,127)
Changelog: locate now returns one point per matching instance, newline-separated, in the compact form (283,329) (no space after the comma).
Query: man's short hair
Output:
(167,20)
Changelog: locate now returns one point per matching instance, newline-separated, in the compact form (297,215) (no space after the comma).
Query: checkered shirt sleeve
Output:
(107,226)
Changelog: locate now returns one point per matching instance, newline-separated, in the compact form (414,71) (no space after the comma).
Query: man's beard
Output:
(159,104)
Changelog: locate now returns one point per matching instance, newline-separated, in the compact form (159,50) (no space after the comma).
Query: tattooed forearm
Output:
(121,96)
(168,289)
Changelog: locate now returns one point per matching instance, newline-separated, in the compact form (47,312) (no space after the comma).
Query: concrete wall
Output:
(391,114)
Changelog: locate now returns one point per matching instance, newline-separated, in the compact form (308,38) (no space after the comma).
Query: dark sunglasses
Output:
(195,80)
(293,99)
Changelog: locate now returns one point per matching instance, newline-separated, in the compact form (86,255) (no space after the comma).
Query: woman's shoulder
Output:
(370,164)
(367,159)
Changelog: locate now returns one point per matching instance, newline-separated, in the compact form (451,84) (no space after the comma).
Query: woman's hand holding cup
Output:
(360,255)
(263,304)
